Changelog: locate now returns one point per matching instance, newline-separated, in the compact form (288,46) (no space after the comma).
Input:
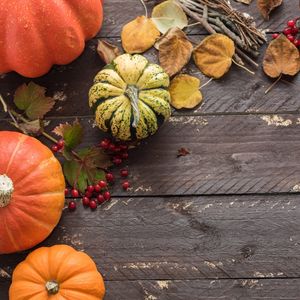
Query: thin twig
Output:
(273,84)
(3,103)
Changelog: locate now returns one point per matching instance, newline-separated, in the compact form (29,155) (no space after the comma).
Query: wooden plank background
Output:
(220,223)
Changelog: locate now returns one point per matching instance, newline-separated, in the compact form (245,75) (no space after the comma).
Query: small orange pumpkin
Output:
(31,192)
(57,273)
(36,34)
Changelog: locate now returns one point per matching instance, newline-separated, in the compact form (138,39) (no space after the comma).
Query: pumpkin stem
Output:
(6,190)
(52,287)
(132,93)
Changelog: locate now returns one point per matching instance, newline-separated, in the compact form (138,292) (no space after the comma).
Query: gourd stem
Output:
(6,190)
(52,287)
(132,94)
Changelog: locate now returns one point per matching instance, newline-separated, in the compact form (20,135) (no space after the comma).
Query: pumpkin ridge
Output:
(28,297)
(157,115)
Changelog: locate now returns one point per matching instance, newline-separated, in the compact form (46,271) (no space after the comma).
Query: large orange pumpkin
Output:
(57,273)
(31,192)
(35,34)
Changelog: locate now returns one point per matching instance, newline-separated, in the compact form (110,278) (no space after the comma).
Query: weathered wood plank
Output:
(117,15)
(232,154)
(236,92)
(243,289)
(185,238)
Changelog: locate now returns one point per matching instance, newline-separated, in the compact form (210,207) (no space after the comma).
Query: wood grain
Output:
(231,289)
(232,154)
(185,238)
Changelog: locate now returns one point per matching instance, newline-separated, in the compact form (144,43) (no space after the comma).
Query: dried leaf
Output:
(88,170)
(266,6)
(184,90)
(31,98)
(281,57)
(139,35)
(175,51)
(107,52)
(34,128)
(213,56)
(183,152)
(71,133)
(167,15)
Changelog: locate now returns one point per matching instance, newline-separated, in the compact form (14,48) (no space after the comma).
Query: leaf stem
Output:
(273,84)
(3,103)
(145,7)
(206,83)
(243,67)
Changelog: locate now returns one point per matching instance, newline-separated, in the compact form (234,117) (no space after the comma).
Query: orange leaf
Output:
(139,35)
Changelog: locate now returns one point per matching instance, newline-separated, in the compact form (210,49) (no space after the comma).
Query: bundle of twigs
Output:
(219,16)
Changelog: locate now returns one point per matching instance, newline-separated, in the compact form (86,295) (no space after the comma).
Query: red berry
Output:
(291,38)
(124,155)
(117,161)
(72,205)
(86,201)
(106,195)
(60,144)
(275,35)
(109,177)
(74,193)
(117,149)
(125,185)
(112,147)
(123,147)
(93,204)
(88,194)
(124,172)
(287,31)
(102,184)
(100,199)
(291,23)
(66,191)
(97,188)
(54,148)
(295,30)
(104,144)
(90,188)
(297,43)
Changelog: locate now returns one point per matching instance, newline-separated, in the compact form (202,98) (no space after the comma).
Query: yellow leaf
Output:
(213,56)
(139,35)
(167,15)
(266,6)
(175,51)
(281,57)
(184,91)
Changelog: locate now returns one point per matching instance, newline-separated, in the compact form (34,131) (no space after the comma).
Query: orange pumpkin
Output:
(57,273)
(31,192)
(36,34)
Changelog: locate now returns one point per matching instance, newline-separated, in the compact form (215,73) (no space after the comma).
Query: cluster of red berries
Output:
(118,151)
(58,146)
(291,32)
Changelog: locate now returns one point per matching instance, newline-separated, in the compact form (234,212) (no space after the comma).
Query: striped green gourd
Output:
(130,97)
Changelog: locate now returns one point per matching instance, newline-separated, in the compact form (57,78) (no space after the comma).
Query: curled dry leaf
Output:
(175,51)
(167,15)
(281,57)
(139,35)
(107,51)
(184,90)
(266,6)
(244,1)
(213,56)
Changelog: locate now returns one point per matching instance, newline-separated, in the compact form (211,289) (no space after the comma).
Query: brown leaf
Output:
(183,152)
(266,6)
(139,35)
(281,57)
(34,128)
(175,51)
(107,52)
(184,91)
(213,56)
(244,1)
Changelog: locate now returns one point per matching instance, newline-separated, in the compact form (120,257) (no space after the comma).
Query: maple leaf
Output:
(72,134)
(87,170)
(32,100)
(183,152)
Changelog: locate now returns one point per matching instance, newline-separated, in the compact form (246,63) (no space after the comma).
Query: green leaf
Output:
(71,133)
(31,98)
